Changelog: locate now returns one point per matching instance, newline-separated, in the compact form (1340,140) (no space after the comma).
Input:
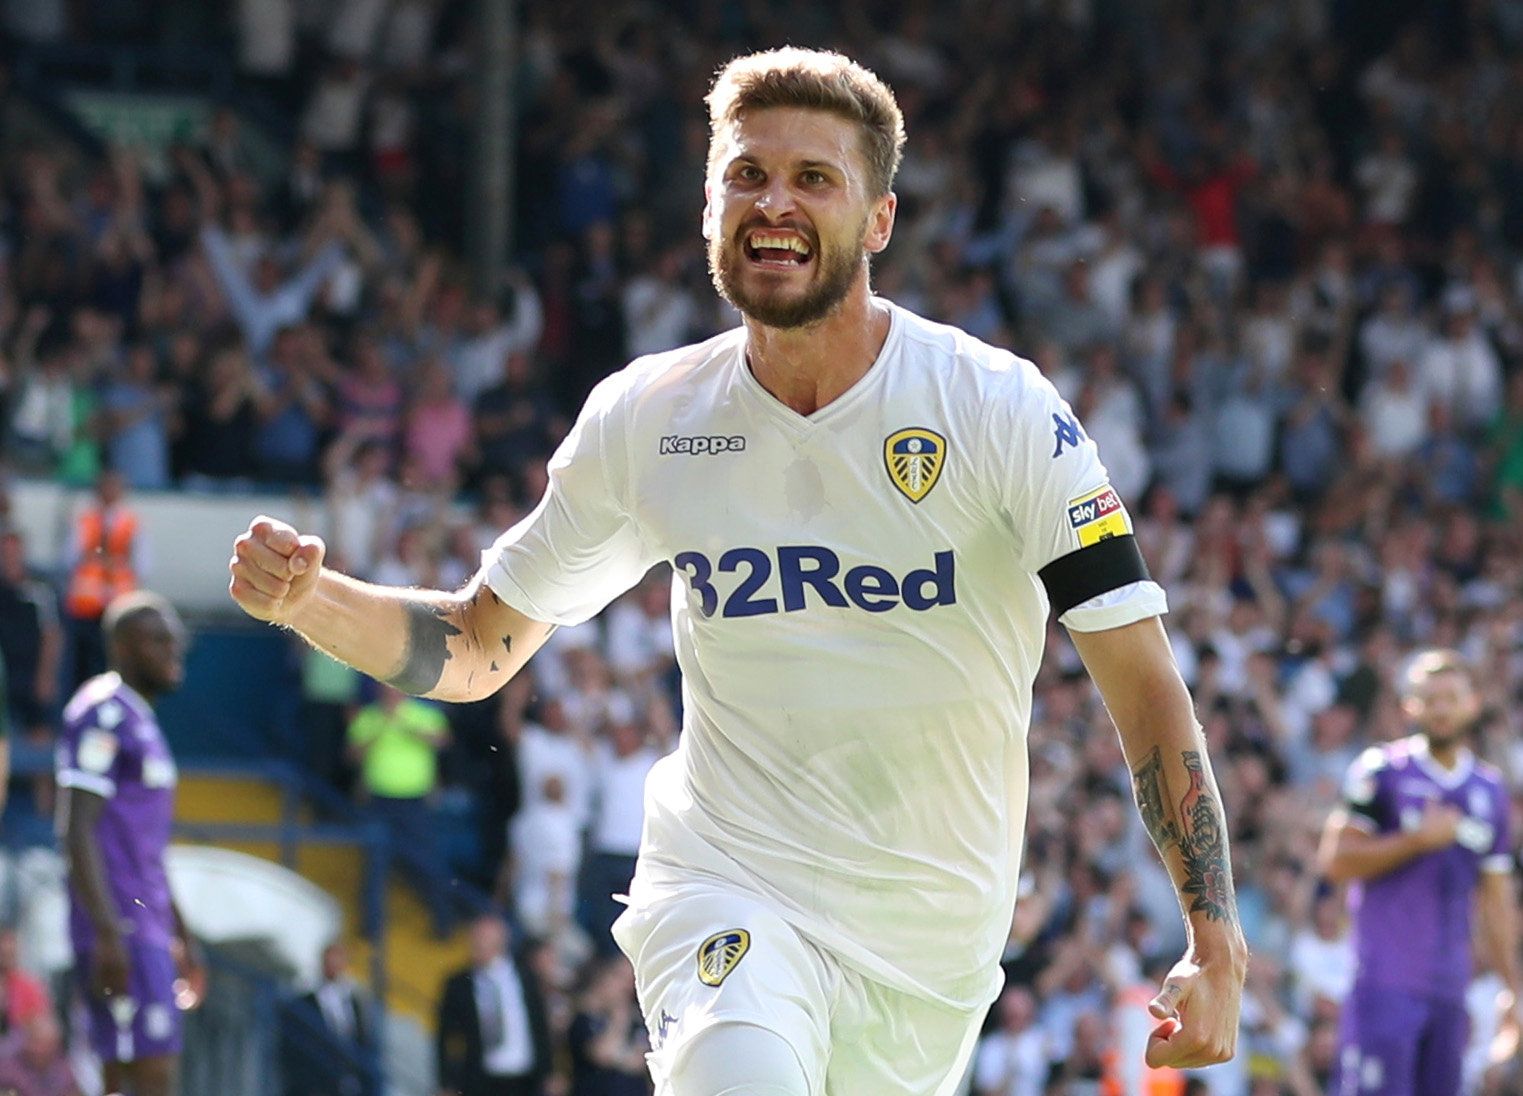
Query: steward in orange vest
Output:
(104,534)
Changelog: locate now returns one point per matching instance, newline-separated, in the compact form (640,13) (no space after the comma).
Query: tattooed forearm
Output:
(1195,826)
(1153,801)
(429,631)
(1203,846)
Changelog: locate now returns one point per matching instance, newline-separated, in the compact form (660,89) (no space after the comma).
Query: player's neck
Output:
(137,685)
(1445,755)
(807,368)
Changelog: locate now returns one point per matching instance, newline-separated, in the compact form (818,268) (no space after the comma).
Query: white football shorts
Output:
(705,954)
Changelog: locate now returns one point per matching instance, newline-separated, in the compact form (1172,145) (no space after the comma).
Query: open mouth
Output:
(778,250)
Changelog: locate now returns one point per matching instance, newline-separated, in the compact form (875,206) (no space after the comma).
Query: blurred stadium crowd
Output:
(1270,250)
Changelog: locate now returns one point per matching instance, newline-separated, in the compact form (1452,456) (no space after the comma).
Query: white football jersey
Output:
(858,620)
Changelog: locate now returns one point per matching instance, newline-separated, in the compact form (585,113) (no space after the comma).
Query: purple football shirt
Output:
(112,746)
(1412,925)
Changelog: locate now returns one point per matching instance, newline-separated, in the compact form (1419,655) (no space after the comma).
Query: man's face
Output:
(1443,705)
(788,216)
(152,649)
(489,940)
(335,961)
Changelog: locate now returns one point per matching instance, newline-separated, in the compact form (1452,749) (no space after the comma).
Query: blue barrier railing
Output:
(253,1034)
(300,786)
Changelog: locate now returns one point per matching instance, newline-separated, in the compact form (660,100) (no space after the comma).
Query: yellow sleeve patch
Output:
(1098,516)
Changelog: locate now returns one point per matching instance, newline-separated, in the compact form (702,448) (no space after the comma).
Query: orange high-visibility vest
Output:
(104,569)
(1160,1081)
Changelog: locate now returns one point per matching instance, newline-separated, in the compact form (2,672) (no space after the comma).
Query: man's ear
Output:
(880,223)
(708,208)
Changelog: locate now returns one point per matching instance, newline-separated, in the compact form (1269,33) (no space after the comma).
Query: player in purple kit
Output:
(116,782)
(1423,836)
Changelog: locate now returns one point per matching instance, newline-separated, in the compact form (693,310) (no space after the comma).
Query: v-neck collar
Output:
(1448,778)
(797,422)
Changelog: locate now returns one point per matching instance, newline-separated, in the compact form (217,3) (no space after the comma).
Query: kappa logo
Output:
(663,1029)
(1067,431)
(1097,516)
(699,444)
(914,458)
(720,954)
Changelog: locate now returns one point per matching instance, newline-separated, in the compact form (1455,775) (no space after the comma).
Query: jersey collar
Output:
(132,696)
(853,395)
(1448,778)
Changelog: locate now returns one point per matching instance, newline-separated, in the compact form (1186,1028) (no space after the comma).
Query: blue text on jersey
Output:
(802,569)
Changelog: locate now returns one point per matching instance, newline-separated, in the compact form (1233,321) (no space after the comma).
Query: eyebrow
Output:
(802,165)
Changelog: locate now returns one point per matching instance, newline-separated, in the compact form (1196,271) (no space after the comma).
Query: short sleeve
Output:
(579,548)
(1363,791)
(92,750)
(1071,526)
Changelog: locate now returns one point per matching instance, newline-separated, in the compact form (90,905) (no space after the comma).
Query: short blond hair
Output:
(1432,663)
(813,80)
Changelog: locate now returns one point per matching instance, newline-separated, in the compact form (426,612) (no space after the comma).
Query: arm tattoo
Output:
(1203,845)
(428,634)
(1152,801)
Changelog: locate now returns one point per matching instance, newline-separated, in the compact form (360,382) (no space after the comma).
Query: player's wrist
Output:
(300,616)
(1215,942)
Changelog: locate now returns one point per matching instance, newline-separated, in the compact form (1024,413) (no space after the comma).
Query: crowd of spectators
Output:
(1271,252)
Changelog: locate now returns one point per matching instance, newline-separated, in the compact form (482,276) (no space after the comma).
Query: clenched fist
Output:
(275,570)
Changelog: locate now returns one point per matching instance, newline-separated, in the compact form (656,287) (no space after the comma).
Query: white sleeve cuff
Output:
(89,782)
(1115,608)
(1499,864)
(515,596)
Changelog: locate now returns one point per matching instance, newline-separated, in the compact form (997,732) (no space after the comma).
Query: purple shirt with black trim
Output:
(1412,925)
(112,746)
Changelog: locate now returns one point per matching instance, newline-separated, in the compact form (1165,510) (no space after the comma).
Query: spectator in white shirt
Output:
(1322,956)
(1013,1061)
(1393,333)
(1461,370)
(550,748)
(640,632)
(1394,408)
(1389,180)
(622,760)
(660,309)
(546,844)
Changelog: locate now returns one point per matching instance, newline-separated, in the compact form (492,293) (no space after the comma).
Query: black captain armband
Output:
(1101,567)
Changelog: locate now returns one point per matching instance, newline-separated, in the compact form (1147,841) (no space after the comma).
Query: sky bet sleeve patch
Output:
(1097,516)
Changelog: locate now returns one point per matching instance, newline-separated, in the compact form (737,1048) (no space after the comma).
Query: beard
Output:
(1446,737)
(771,307)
